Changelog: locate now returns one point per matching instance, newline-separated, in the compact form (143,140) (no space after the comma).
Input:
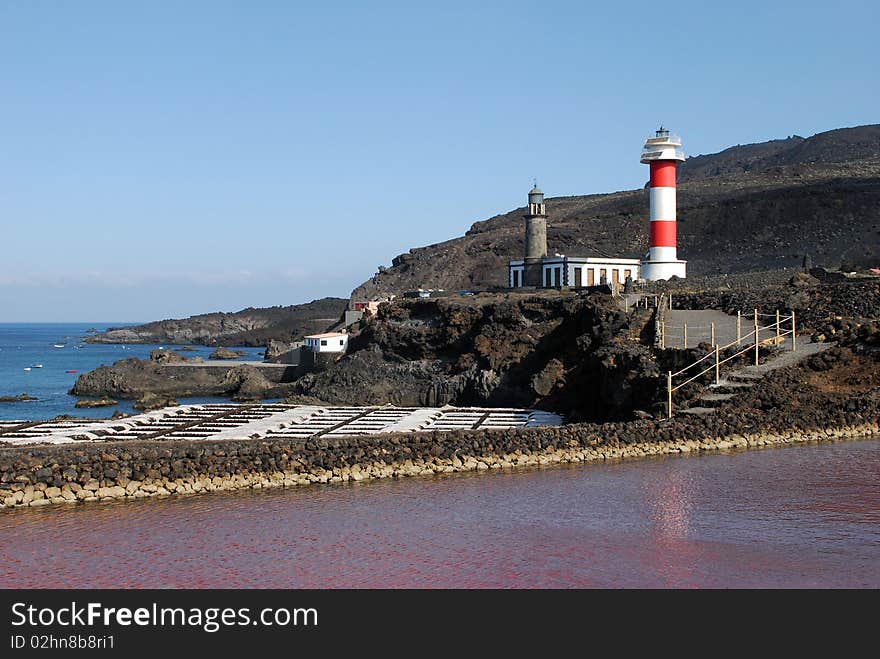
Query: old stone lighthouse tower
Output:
(536,239)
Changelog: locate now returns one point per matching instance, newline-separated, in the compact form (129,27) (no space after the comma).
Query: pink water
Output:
(805,516)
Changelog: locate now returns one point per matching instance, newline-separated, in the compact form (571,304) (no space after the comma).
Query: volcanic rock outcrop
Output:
(568,353)
(168,376)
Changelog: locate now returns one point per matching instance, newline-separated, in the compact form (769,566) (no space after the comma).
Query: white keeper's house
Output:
(538,270)
(327,342)
(577,271)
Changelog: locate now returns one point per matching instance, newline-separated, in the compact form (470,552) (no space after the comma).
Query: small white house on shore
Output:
(327,342)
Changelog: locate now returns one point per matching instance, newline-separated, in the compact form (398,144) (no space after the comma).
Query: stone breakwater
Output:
(40,476)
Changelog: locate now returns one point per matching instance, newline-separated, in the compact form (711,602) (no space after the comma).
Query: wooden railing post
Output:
(756,337)
(739,327)
(793,333)
(685,336)
(778,337)
(713,334)
(669,394)
(717,366)
(663,334)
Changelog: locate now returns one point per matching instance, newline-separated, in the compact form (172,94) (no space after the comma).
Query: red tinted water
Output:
(799,516)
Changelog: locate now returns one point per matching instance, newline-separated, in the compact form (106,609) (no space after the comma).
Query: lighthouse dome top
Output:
(535,195)
(662,146)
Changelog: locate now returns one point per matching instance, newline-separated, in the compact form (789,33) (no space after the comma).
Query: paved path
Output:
(783,359)
(745,377)
(699,328)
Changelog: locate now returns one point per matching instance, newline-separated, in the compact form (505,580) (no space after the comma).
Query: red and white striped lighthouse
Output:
(662,153)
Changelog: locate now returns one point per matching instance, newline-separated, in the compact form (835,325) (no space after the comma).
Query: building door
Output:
(577,278)
(559,280)
(615,276)
(627,274)
(603,276)
(591,277)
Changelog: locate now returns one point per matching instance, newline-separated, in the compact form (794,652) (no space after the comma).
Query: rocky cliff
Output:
(248,327)
(577,354)
(752,207)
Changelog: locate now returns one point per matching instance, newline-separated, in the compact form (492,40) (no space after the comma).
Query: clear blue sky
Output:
(160,159)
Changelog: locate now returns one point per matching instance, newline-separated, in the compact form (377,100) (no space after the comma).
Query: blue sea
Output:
(24,345)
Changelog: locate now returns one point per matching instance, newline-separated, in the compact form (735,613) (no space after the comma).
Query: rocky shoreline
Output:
(829,396)
(580,354)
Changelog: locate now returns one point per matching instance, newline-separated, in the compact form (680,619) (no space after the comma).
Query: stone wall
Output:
(43,475)
(316,362)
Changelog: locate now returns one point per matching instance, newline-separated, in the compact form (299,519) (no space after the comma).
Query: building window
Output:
(615,276)
(323,342)
(627,274)
(603,275)
(578,282)
(340,341)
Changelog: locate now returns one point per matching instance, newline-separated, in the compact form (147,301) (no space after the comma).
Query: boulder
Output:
(248,383)
(551,376)
(165,356)
(281,351)
(803,279)
(17,399)
(95,402)
(150,401)
(226,353)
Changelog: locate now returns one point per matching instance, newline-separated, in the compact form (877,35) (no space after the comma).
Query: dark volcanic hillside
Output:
(248,327)
(844,145)
(752,207)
